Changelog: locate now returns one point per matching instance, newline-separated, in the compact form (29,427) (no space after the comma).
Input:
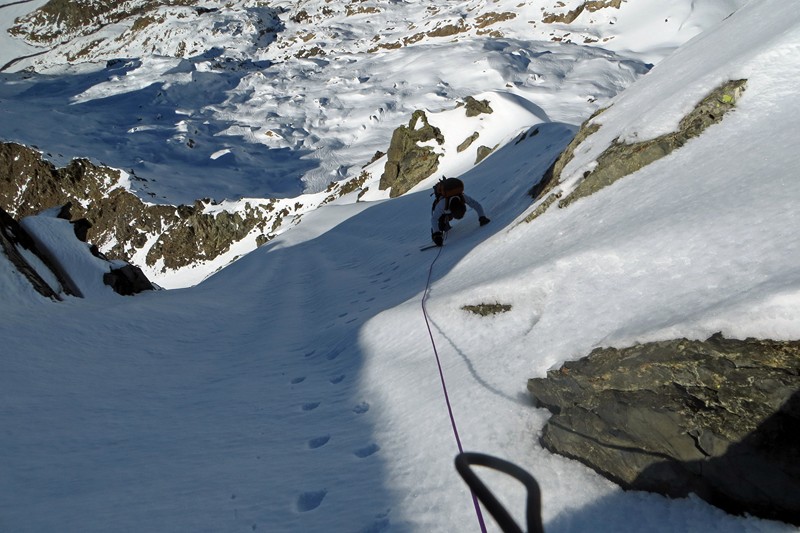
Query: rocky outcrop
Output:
(37,260)
(718,418)
(13,239)
(118,221)
(127,280)
(570,16)
(482,153)
(477,107)
(61,20)
(620,159)
(198,236)
(88,30)
(484,309)
(552,175)
(467,142)
(407,162)
(108,214)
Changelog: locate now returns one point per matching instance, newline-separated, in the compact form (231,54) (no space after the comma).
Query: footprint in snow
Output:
(367,450)
(319,442)
(333,354)
(380,524)
(338,379)
(295,381)
(361,408)
(310,406)
(308,501)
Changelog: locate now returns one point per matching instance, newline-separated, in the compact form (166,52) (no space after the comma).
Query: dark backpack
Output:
(448,188)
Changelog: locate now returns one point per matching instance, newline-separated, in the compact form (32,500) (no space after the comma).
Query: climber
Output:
(450,203)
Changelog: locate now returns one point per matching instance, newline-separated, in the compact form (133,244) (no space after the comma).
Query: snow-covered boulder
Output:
(19,248)
(49,252)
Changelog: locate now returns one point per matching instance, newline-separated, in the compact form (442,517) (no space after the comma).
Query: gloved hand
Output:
(437,238)
(483,221)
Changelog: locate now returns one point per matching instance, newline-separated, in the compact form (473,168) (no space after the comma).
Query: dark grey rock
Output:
(128,280)
(718,418)
(80,225)
(12,238)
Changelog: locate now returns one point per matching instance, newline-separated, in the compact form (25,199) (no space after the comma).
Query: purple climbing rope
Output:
(444,385)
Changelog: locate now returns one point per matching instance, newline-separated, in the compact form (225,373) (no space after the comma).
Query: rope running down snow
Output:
(444,385)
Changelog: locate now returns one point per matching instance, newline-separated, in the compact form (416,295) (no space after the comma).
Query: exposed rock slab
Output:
(718,418)
(12,238)
(622,159)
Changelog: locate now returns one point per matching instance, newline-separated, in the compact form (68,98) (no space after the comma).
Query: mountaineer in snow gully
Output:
(451,203)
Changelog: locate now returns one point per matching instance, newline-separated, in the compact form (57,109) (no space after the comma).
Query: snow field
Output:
(297,390)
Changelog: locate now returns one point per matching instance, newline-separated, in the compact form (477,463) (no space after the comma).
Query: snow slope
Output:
(14,48)
(296,390)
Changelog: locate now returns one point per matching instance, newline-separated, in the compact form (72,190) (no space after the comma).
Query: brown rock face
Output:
(117,217)
(408,163)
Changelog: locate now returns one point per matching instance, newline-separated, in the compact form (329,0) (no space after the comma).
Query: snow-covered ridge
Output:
(99,31)
(304,86)
(318,28)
